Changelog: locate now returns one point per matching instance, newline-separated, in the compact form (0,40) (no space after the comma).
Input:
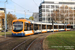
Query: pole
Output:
(14,10)
(25,14)
(53,25)
(52,22)
(5,17)
(66,27)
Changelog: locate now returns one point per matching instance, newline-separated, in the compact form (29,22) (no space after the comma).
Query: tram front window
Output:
(18,26)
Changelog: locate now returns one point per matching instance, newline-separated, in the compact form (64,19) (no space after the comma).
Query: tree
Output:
(63,13)
(31,18)
(10,18)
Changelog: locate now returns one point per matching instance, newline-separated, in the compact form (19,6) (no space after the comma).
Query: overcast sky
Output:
(29,6)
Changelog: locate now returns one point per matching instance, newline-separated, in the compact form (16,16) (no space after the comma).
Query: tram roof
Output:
(34,22)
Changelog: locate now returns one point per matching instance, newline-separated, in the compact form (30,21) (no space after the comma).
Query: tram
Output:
(23,27)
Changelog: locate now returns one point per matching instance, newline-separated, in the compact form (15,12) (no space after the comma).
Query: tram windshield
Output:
(17,26)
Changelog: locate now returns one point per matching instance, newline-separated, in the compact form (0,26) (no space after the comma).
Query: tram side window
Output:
(35,27)
(31,26)
(25,26)
(39,27)
(48,26)
(55,26)
(43,26)
(28,26)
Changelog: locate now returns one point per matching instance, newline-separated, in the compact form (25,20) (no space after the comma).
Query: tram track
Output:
(26,45)
(21,43)
(37,43)
(5,45)
(8,40)
(31,44)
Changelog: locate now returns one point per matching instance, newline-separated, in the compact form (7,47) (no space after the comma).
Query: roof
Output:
(29,21)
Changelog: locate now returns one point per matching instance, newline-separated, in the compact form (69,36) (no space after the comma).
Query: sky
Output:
(19,7)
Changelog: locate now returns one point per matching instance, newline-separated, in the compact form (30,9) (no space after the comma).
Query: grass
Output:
(61,40)
(7,33)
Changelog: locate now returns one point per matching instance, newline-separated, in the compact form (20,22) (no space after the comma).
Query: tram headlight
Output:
(21,32)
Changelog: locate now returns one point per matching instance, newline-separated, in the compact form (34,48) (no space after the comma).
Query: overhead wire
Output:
(21,6)
(19,11)
(35,3)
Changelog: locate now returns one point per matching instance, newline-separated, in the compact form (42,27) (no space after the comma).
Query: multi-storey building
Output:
(36,16)
(59,11)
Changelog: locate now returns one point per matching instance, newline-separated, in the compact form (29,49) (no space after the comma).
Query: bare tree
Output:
(10,18)
(63,13)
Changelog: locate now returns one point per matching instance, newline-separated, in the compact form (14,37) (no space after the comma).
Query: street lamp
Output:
(5,16)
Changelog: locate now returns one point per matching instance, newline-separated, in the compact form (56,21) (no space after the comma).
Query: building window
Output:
(47,10)
(47,6)
(57,6)
(40,19)
(66,22)
(43,18)
(35,16)
(66,3)
(74,7)
(40,15)
(2,21)
(43,14)
(43,10)
(48,2)
(48,19)
(52,6)
(43,6)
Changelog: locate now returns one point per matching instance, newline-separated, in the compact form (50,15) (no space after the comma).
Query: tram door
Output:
(37,28)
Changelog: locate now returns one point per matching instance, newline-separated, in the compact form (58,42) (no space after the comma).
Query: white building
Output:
(48,7)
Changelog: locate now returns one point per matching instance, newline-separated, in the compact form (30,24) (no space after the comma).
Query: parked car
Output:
(4,31)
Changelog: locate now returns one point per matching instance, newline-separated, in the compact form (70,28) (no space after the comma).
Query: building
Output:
(59,11)
(2,17)
(36,16)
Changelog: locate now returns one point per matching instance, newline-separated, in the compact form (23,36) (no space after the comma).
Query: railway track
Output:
(26,45)
(37,43)
(9,44)
(22,43)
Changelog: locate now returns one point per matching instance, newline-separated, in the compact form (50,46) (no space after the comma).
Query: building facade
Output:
(58,11)
(36,16)
(2,17)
